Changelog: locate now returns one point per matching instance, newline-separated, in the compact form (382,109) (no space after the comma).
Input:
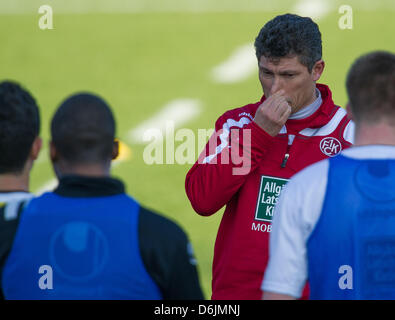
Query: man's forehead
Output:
(287,62)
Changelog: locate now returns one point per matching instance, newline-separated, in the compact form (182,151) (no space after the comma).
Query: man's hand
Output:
(273,113)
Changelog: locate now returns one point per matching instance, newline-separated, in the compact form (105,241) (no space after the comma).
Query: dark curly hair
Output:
(19,126)
(290,34)
(83,129)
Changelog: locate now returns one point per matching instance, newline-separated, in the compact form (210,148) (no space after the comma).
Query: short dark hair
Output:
(290,34)
(19,126)
(83,130)
(371,87)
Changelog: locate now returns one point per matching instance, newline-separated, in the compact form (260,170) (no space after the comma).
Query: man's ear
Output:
(115,149)
(350,114)
(36,147)
(318,69)
(53,153)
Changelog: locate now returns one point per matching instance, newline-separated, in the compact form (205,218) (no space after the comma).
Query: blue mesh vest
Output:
(90,245)
(351,252)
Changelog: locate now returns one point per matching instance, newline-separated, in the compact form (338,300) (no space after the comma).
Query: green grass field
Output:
(140,61)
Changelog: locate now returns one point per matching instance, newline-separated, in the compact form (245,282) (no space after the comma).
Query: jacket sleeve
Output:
(9,221)
(168,257)
(233,151)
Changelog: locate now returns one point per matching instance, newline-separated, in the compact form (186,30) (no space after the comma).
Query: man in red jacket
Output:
(295,124)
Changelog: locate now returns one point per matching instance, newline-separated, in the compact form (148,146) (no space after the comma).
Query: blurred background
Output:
(155,60)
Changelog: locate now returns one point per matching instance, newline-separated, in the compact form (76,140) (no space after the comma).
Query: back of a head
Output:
(19,126)
(83,130)
(290,34)
(371,87)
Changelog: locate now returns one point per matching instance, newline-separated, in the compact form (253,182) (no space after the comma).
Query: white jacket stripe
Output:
(328,128)
(224,136)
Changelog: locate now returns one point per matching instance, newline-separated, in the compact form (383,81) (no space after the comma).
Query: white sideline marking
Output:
(178,111)
(239,66)
(315,9)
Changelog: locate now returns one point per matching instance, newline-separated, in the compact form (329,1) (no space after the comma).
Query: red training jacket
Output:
(250,188)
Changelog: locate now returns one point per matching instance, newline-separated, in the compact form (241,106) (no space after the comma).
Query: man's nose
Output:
(277,85)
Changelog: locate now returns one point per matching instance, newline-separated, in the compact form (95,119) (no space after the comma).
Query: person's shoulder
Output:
(12,205)
(328,106)
(332,119)
(310,177)
(11,209)
(168,256)
(313,171)
(326,94)
(14,196)
(35,202)
(349,132)
(304,194)
(340,122)
(160,226)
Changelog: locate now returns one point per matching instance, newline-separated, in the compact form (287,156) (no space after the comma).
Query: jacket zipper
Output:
(291,138)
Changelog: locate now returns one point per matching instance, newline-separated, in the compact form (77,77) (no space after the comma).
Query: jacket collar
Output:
(83,187)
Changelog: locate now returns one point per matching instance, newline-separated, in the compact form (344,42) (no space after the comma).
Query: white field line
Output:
(239,66)
(175,112)
(315,9)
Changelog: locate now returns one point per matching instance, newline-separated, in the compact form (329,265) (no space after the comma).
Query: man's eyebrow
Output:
(280,72)
(265,69)
(288,72)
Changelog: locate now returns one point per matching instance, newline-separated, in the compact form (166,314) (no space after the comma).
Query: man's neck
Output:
(12,182)
(90,170)
(310,107)
(380,133)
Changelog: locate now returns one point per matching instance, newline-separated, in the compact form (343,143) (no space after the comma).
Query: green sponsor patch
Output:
(269,192)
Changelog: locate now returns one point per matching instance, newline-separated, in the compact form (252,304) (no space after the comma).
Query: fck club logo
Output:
(330,146)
